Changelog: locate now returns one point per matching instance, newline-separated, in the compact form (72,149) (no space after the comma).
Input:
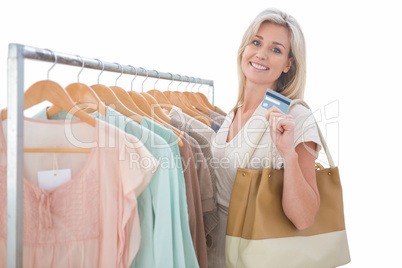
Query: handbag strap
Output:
(269,158)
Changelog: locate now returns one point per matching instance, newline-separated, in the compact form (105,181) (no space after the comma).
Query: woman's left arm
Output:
(300,200)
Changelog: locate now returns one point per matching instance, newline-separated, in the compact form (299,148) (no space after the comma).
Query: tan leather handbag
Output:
(260,235)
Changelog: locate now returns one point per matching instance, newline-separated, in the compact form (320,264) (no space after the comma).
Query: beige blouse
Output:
(230,155)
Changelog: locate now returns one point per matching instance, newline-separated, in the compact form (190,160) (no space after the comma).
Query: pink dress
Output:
(91,220)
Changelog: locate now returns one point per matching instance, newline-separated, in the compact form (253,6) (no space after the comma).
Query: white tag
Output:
(50,179)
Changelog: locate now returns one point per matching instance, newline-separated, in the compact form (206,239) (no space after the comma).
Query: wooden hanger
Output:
(155,107)
(110,99)
(81,94)
(163,101)
(47,90)
(138,100)
(205,100)
(176,100)
(186,102)
(202,99)
(143,104)
(179,134)
(126,99)
(190,106)
(194,100)
(156,118)
(180,100)
(159,96)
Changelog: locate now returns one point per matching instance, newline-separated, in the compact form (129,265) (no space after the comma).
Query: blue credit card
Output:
(273,98)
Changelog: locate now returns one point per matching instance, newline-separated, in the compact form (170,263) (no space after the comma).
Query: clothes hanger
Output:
(187,102)
(173,97)
(110,99)
(162,100)
(81,94)
(168,92)
(47,90)
(177,100)
(156,109)
(183,97)
(204,99)
(177,132)
(127,100)
(139,100)
(195,101)
(124,97)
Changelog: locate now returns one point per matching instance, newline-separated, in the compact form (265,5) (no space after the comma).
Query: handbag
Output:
(259,234)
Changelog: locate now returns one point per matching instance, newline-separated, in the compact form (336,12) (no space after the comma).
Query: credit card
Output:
(273,98)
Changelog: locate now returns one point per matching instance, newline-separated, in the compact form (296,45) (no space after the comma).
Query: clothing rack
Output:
(15,127)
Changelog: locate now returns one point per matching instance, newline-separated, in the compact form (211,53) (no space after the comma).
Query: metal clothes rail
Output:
(15,127)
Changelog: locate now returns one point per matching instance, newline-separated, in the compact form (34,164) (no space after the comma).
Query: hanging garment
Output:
(203,175)
(231,154)
(216,117)
(169,136)
(78,223)
(209,205)
(203,189)
(154,204)
(193,199)
(196,222)
(215,126)
(209,134)
(197,126)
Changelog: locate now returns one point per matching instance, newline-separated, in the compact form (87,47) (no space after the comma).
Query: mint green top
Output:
(160,205)
(170,138)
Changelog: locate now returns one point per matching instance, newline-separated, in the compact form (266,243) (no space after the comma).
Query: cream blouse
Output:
(229,156)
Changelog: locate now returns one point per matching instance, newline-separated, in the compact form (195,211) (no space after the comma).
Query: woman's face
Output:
(266,57)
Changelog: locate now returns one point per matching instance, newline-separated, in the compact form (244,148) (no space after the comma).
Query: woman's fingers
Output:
(272,109)
(275,119)
(279,123)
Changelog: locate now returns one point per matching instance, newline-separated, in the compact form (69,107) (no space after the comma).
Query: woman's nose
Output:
(261,54)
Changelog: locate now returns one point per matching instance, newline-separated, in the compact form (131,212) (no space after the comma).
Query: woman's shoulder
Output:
(299,111)
(304,119)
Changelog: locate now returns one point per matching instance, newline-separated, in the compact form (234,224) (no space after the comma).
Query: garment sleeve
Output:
(137,166)
(305,126)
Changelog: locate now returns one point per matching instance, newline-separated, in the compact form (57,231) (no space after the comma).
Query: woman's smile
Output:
(258,67)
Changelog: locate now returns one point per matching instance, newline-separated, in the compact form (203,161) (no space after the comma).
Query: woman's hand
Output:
(282,131)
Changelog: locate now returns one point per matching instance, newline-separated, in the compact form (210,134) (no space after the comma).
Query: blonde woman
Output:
(271,55)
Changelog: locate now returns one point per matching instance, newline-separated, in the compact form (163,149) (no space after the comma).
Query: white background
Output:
(353,83)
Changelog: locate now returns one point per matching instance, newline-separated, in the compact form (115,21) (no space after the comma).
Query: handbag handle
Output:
(269,159)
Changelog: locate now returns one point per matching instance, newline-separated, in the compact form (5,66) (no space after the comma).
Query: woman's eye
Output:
(276,50)
(257,43)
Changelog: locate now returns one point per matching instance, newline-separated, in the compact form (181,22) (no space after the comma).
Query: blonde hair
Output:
(292,83)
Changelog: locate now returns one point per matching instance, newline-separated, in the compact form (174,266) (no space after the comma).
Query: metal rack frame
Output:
(15,128)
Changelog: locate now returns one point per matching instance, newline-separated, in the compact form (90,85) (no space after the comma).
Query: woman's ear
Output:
(290,62)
